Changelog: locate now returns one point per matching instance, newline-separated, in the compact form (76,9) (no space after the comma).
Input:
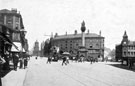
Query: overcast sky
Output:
(42,17)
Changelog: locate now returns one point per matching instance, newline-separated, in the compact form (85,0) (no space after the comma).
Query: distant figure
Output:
(130,64)
(49,59)
(36,57)
(25,61)
(67,60)
(81,58)
(91,60)
(64,60)
(106,59)
(15,60)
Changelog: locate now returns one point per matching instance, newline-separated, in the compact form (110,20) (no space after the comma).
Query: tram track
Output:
(77,76)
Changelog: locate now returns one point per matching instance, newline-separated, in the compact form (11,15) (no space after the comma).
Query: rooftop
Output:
(131,43)
(68,36)
(8,11)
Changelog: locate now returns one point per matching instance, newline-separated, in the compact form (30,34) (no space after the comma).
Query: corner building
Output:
(94,43)
(125,51)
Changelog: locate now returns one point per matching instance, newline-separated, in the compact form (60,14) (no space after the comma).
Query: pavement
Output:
(14,78)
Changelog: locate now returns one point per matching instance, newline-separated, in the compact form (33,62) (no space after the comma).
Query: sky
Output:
(41,17)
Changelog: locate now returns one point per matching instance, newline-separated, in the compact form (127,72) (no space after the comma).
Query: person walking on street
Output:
(25,60)
(67,59)
(91,60)
(130,64)
(15,60)
(49,59)
(64,60)
(36,57)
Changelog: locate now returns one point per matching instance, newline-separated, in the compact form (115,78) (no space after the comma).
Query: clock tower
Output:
(125,38)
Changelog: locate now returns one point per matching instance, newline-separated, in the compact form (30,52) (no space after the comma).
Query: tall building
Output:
(93,43)
(12,19)
(36,49)
(125,51)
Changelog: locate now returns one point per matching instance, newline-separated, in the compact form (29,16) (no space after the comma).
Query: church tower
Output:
(125,38)
(36,48)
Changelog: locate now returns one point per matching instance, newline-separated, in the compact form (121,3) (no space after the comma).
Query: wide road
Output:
(76,74)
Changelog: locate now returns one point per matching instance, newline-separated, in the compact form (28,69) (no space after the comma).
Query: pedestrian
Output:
(15,60)
(106,59)
(130,64)
(21,62)
(49,59)
(91,60)
(64,60)
(25,61)
(36,57)
(67,59)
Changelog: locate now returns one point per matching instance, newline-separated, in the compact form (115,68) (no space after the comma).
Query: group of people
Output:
(15,57)
(22,59)
(65,60)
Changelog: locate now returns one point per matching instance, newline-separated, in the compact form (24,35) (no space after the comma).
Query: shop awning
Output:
(7,40)
(18,47)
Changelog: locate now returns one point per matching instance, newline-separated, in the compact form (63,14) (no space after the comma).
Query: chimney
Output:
(100,32)
(75,32)
(88,32)
(56,34)
(14,10)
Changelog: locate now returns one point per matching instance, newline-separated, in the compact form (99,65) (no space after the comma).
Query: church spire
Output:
(125,38)
(125,35)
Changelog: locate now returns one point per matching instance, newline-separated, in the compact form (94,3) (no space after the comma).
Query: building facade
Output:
(36,49)
(126,50)
(94,43)
(13,20)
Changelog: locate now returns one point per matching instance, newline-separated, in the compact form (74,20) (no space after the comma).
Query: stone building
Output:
(36,49)
(125,51)
(94,43)
(12,19)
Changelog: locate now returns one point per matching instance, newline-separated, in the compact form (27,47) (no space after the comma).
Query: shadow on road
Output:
(118,65)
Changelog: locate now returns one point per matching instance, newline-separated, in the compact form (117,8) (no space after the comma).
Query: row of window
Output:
(129,53)
(76,45)
(129,47)
(87,40)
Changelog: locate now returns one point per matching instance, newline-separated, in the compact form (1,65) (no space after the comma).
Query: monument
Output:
(82,51)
